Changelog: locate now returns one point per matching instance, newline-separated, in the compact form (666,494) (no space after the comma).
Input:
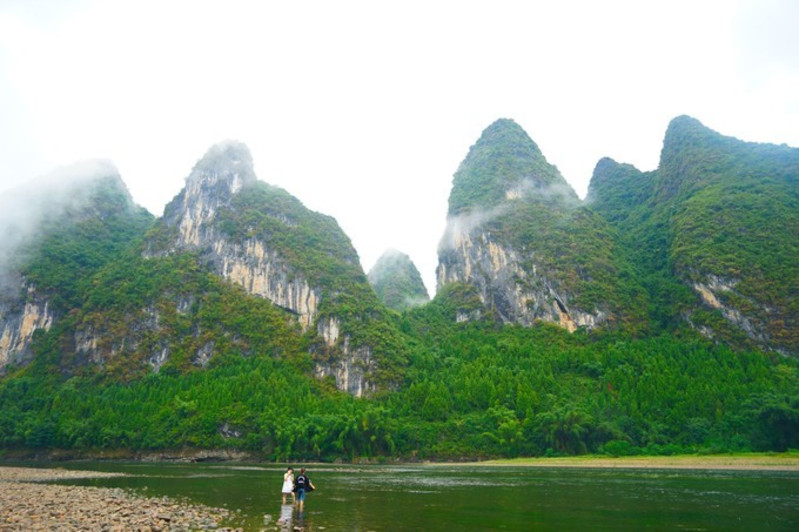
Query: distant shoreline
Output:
(743,461)
(762,462)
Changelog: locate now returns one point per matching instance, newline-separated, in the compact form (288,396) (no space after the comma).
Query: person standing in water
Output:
(303,485)
(288,485)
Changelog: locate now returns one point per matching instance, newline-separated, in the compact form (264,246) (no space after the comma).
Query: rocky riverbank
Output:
(28,502)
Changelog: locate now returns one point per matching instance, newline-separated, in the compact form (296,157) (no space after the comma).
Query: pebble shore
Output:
(28,503)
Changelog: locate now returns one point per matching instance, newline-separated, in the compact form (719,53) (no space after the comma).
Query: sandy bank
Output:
(766,462)
(27,502)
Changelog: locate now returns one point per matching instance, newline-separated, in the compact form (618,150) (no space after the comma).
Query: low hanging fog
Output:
(23,211)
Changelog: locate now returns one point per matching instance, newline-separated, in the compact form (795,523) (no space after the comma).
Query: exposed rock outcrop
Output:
(221,194)
(517,294)
(223,172)
(350,367)
(19,321)
(714,293)
(81,198)
(511,217)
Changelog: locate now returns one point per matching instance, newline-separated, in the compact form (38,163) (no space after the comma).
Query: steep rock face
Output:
(50,224)
(261,272)
(351,367)
(222,173)
(19,324)
(517,232)
(518,294)
(224,170)
(264,240)
(95,344)
(714,293)
(397,281)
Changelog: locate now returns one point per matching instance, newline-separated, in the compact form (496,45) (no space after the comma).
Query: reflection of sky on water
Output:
(475,497)
(427,481)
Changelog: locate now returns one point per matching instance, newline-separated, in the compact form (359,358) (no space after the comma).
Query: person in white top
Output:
(288,485)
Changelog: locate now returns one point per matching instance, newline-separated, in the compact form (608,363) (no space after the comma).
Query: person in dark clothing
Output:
(302,485)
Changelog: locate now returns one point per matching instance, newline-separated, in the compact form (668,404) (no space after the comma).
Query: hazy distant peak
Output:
(397,281)
(685,121)
(228,160)
(65,186)
(604,164)
(85,170)
(233,150)
(71,177)
(395,254)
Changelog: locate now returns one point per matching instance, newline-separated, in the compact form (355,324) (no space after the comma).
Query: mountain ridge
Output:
(648,319)
(721,214)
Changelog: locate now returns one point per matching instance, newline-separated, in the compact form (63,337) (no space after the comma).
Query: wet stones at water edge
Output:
(26,503)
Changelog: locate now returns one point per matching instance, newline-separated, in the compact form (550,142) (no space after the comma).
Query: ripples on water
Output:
(361,498)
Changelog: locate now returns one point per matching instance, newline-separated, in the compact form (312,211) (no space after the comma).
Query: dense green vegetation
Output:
(579,251)
(74,246)
(475,390)
(504,158)
(240,371)
(311,243)
(716,208)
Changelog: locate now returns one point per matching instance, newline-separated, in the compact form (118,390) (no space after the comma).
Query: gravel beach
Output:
(28,502)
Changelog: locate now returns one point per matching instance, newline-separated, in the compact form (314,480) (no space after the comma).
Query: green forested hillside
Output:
(69,249)
(504,157)
(717,210)
(475,391)
(450,389)
(507,191)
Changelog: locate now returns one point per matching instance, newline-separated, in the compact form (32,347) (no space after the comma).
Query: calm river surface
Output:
(440,497)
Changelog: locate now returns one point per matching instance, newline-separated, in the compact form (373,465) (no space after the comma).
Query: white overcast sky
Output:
(364,109)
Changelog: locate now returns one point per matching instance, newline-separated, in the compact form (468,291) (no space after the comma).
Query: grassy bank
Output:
(788,461)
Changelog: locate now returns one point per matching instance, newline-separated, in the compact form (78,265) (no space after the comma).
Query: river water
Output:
(463,497)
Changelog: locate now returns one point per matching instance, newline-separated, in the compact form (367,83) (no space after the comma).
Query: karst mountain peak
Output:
(505,165)
(658,316)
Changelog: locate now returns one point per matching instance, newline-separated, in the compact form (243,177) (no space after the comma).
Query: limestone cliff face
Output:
(512,217)
(94,344)
(261,272)
(224,170)
(516,293)
(350,366)
(262,239)
(717,292)
(222,173)
(20,320)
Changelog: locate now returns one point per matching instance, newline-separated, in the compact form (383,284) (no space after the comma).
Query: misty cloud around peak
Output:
(25,209)
(225,159)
